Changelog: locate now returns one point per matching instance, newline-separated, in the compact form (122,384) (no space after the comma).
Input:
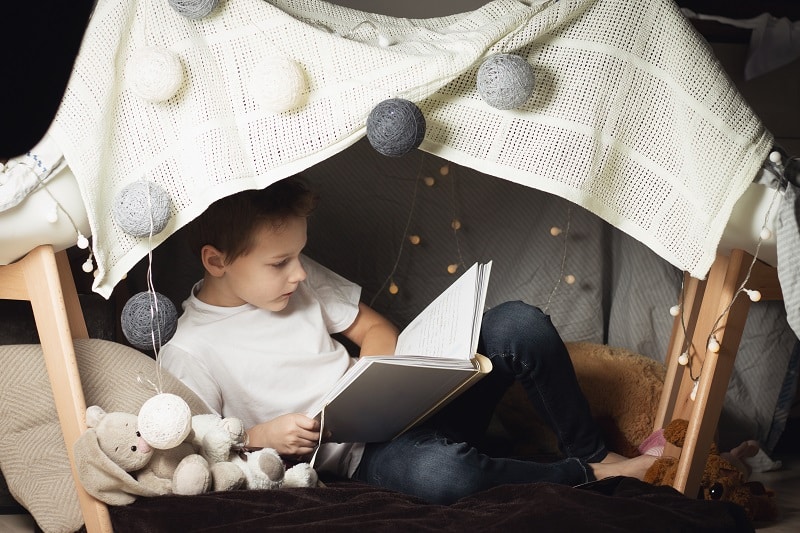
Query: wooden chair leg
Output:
(45,279)
(710,306)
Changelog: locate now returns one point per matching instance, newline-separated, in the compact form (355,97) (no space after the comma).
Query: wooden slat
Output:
(715,306)
(46,281)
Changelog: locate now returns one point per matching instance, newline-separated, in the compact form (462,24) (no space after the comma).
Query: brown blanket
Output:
(617,504)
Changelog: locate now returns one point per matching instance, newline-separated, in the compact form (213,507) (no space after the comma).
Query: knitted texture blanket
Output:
(631,115)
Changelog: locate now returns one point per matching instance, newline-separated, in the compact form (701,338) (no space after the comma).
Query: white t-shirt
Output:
(255,365)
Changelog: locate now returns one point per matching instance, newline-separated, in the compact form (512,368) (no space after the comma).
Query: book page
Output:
(446,328)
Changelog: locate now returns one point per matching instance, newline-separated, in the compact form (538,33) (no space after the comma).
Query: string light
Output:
(713,345)
(555,232)
(393,288)
(754,295)
(414,239)
(52,217)
(693,394)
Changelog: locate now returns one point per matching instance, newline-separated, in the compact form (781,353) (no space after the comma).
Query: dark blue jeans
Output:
(439,461)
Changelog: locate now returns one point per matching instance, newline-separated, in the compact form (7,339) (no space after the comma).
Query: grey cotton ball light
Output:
(141,324)
(194,9)
(395,127)
(505,81)
(140,205)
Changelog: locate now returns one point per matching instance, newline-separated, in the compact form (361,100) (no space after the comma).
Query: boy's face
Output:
(269,273)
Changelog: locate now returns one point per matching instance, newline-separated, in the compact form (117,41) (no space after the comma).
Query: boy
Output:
(254,342)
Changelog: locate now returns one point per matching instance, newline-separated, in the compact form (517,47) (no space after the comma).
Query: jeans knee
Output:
(516,319)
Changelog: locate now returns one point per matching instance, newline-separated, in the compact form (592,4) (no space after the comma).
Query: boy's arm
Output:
(372,332)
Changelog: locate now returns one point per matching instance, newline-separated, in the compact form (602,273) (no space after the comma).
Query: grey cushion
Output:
(33,456)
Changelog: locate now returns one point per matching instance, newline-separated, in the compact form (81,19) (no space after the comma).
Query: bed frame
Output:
(43,277)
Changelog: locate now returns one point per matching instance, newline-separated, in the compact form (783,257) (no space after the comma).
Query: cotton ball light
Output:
(52,213)
(683,359)
(395,127)
(155,74)
(165,421)
(141,324)
(142,208)
(193,9)
(278,84)
(713,345)
(82,242)
(505,81)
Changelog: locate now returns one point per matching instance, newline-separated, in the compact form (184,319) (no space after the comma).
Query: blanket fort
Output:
(631,115)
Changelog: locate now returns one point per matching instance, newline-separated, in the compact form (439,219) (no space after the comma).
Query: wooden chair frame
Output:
(45,279)
(703,303)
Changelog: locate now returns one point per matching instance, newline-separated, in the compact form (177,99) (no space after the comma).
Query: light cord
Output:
(687,344)
(454,212)
(405,234)
(563,261)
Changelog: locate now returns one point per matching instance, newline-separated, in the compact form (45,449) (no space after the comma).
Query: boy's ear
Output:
(213,260)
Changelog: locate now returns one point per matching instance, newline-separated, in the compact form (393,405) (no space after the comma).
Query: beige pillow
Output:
(33,456)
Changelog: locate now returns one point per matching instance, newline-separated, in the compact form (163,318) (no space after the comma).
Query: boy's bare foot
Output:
(613,458)
(618,465)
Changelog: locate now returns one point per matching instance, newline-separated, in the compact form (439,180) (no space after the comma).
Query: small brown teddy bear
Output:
(721,479)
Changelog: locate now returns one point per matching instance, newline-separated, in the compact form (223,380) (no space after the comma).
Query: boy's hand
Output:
(294,435)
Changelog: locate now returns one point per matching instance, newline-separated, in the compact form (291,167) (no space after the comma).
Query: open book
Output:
(435,360)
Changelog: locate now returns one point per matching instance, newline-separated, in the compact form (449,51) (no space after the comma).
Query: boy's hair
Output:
(230,223)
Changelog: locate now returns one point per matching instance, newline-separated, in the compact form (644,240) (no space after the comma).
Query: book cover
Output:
(435,360)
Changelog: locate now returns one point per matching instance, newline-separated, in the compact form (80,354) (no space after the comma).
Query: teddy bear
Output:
(116,464)
(724,476)
(165,420)
(223,440)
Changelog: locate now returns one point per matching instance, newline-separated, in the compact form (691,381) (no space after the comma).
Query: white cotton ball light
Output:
(142,208)
(713,345)
(194,9)
(505,81)
(154,73)
(165,421)
(278,84)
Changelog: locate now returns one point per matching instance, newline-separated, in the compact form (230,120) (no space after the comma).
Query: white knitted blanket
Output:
(631,116)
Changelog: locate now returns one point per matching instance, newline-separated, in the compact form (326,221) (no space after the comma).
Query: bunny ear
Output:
(94,413)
